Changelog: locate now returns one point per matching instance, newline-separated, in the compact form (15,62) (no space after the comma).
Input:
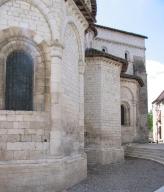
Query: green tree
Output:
(150,121)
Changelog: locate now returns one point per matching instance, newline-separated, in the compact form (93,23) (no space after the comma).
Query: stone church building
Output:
(71,92)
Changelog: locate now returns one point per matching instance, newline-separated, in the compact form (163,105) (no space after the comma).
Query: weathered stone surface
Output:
(44,149)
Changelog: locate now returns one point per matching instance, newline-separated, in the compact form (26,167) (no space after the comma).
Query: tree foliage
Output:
(150,120)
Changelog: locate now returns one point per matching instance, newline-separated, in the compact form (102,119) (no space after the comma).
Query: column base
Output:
(42,175)
(104,156)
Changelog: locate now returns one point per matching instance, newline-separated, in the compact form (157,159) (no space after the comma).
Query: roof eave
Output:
(134,77)
(97,53)
(121,31)
(85,11)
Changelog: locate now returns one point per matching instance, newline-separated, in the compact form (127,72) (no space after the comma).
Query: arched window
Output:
(19,82)
(127,56)
(122,115)
(125,115)
(104,49)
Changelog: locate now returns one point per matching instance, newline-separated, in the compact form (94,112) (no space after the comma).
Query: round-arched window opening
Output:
(19,81)
(125,115)
(122,115)
(127,55)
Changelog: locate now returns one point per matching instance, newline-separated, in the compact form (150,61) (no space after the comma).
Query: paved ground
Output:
(134,175)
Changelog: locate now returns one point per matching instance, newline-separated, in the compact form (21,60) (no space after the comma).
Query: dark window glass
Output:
(19,82)
(126,56)
(122,115)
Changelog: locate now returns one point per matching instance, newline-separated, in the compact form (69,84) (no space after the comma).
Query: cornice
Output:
(90,16)
(128,77)
(94,53)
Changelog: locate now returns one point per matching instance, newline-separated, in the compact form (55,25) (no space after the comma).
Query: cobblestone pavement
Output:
(134,175)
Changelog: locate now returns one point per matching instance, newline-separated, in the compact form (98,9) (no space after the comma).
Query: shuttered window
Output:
(19,82)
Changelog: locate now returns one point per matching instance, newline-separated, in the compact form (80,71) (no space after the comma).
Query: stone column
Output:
(81,119)
(55,95)
(134,105)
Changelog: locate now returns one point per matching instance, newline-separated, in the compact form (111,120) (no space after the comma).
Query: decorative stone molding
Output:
(129,90)
(74,11)
(13,39)
(129,81)
(88,14)
(78,38)
(44,10)
(94,53)
(133,77)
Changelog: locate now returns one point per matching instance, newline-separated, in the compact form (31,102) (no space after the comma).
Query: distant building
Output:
(158,118)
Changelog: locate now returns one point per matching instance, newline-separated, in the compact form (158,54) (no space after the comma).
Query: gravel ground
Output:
(134,175)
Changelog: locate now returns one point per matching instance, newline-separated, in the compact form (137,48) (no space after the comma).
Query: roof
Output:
(97,53)
(135,77)
(90,16)
(121,31)
(94,8)
(159,99)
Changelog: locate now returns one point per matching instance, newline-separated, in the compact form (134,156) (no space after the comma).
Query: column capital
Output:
(56,49)
(56,43)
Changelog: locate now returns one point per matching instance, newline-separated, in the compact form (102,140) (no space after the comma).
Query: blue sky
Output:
(145,17)
(142,16)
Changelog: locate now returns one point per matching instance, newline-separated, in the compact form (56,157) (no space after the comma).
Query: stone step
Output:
(161,155)
(154,154)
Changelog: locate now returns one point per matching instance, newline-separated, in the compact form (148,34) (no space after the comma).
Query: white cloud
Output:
(155,71)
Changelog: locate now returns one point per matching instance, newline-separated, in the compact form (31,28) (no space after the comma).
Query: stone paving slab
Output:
(134,175)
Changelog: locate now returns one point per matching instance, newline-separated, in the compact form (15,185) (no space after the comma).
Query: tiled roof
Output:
(135,77)
(159,99)
(97,53)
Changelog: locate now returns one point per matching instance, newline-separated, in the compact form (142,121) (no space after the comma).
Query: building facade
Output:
(71,91)
(158,119)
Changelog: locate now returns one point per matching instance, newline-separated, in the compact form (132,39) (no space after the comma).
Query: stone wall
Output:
(130,99)
(102,111)
(49,139)
(71,93)
(118,44)
(25,15)
(41,175)
(24,135)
